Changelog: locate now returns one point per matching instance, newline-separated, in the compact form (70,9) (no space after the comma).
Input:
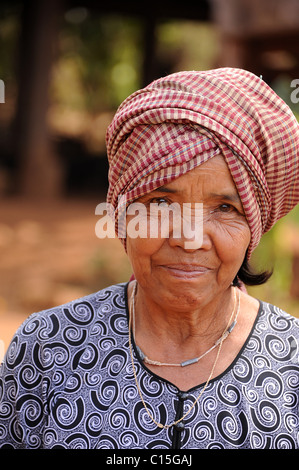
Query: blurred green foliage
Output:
(276,251)
(102,57)
(192,45)
(99,61)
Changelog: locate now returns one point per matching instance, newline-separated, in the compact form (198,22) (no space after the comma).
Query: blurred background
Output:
(66,66)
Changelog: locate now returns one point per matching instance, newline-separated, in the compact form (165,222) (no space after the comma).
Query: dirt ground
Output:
(49,254)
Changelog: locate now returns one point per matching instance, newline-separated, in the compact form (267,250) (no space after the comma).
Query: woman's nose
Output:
(190,231)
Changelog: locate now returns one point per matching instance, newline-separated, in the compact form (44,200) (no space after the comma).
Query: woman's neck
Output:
(183,328)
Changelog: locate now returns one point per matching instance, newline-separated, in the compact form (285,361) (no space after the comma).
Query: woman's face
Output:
(181,275)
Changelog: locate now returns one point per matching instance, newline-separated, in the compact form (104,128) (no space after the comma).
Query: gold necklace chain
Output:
(167,426)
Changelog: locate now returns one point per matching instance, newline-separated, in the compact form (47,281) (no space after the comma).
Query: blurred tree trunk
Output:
(149,46)
(39,170)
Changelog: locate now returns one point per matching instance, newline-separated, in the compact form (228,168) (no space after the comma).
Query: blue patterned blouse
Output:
(67,382)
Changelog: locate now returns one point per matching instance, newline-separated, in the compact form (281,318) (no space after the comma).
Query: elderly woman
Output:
(181,356)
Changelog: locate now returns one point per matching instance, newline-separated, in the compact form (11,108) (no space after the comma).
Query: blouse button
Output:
(183,396)
(180,426)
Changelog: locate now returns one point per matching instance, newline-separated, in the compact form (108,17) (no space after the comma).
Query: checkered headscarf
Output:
(180,121)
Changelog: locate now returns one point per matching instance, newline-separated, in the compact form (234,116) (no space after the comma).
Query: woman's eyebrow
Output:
(233,197)
(164,189)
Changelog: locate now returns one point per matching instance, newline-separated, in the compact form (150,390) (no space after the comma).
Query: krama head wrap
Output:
(180,121)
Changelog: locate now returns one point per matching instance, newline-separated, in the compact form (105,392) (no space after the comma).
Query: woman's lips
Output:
(186,270)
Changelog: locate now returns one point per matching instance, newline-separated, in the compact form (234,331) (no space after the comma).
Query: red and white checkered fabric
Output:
(179,121)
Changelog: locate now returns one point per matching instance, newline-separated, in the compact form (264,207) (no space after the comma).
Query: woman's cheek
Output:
(140,251)
(232,241)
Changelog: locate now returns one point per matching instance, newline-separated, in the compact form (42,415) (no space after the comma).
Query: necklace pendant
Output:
(189,362)
(141,353)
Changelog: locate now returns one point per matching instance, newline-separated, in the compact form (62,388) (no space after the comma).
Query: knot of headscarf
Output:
(178,122)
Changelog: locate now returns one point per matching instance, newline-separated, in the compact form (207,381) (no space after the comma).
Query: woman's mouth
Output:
(186,271)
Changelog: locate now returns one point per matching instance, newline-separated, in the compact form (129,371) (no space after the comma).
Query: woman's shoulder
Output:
(277,319)
(68,327)
(276,332)
(81,312)
(271,348)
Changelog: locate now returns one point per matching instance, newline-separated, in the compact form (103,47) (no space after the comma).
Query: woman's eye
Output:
(161,201)
(226,208)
